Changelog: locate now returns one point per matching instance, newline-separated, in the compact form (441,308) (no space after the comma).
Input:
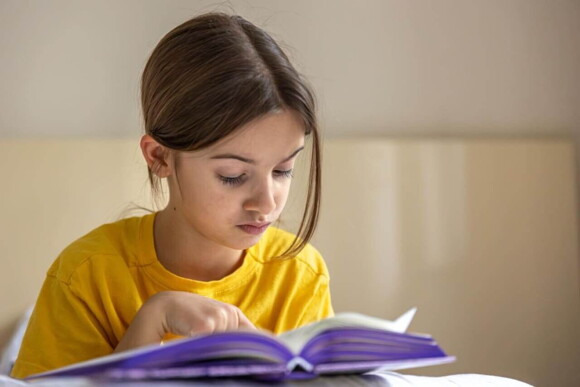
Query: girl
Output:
(226,115)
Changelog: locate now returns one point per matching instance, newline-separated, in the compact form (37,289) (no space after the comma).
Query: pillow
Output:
(10,352)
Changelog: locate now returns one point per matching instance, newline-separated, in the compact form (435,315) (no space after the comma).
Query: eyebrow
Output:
(250,161)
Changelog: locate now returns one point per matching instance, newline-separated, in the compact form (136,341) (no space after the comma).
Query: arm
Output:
(64,329)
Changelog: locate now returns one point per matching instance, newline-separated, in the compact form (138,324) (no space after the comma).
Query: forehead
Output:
(280,132)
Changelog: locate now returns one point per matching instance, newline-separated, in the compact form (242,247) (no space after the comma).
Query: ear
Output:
(157,156)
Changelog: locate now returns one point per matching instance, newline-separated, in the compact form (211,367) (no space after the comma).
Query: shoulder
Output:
(107,246)
(274,244)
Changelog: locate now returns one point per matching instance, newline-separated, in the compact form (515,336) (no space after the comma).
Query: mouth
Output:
(253,229)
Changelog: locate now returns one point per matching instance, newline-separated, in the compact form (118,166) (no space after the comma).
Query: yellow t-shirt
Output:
(98,283)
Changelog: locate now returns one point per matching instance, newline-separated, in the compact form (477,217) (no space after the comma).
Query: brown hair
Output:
(211,75)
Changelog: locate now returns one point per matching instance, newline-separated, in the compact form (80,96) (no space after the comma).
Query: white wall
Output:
(381,66)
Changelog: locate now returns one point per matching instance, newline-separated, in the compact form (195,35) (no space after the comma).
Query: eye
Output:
(227,180)
(284,174)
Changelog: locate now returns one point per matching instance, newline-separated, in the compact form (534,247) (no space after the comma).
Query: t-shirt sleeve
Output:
(62,331)
(319,305)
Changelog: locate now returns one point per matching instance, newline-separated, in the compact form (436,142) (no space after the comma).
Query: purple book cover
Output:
(351,344)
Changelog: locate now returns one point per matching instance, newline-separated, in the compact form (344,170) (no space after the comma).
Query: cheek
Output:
(282,196)
(204,198)
(216,200)
(222,203)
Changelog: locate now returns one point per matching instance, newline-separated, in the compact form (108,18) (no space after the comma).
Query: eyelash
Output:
(233,181)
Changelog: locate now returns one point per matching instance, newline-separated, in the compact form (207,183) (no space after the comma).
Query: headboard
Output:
(480,234)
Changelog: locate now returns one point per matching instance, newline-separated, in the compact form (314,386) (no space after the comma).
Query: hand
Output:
(183,314)
(186,314)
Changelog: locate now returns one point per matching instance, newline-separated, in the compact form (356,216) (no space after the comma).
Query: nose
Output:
(262,198)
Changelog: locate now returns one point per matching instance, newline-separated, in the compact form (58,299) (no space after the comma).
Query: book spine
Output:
(299,363)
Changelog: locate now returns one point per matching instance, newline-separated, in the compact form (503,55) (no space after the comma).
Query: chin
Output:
(245,242)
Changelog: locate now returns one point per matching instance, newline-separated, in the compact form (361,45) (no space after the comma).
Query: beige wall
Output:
(481,235)
(54,192)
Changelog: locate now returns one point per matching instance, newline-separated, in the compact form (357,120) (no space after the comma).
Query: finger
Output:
(243,321)
(222,319)
(232,317)
(205,325)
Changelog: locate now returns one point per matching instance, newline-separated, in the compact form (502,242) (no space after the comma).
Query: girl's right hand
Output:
(182,314)
(187,314)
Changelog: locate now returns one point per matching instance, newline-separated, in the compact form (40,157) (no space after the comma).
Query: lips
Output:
(254,228)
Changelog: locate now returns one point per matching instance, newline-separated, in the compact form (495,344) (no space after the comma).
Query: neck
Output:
(186,253)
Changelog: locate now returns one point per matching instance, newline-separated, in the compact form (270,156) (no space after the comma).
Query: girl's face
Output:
(231,191)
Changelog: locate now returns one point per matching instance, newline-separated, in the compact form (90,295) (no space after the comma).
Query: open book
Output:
(345,343)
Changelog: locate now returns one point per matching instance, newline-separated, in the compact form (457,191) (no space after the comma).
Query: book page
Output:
(297,338)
